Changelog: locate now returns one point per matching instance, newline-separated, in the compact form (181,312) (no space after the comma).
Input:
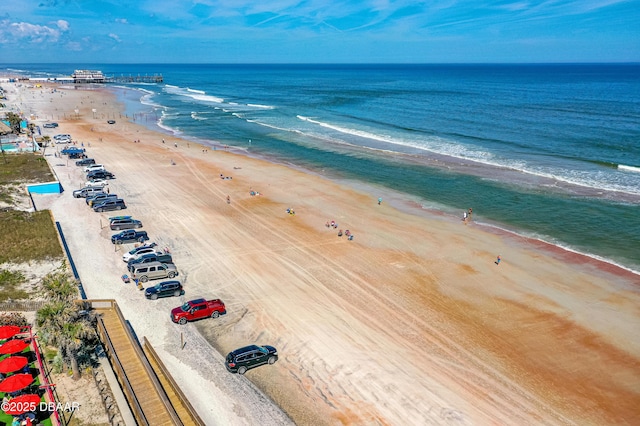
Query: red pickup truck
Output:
(198,309)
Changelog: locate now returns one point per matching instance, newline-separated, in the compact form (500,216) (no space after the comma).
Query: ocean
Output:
(550,152)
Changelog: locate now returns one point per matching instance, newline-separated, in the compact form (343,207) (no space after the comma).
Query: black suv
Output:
(148,258)
(99,198)
(85,162)
(108,205)
(100,174)
(164,289)
(243,359)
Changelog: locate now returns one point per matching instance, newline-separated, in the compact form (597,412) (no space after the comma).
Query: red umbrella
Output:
(15,382)
(22,404)
(7,331)
(13,346)
(13,363)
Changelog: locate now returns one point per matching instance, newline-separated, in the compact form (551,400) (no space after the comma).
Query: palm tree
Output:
(65,323)
(74,340)
(58,287)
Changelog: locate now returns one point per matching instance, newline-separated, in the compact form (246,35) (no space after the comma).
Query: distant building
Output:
(87,76)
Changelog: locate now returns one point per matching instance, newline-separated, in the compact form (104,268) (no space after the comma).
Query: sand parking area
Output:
(411,322)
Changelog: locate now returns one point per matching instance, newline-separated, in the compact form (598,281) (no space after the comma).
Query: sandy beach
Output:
(411,322)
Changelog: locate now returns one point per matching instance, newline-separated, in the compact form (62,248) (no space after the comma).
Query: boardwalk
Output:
(185,411)
(148,400)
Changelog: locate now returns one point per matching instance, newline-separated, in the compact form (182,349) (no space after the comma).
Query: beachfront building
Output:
(87,76)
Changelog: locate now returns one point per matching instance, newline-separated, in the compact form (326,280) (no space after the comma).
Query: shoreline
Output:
(433,159)
(469,338)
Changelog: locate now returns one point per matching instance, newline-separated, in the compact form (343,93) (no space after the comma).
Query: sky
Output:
(319,31)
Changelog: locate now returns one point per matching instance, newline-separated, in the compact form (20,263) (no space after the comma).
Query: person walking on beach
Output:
(498,260)
(228,200)
(379,200)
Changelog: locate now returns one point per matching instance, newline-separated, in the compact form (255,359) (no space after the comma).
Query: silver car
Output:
(153,271)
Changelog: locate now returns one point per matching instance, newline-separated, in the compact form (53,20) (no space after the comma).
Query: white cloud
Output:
(24,31)
(63,25)
(34,33)
(115,37)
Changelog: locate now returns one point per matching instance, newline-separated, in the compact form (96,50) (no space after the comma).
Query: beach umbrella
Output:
(15,382)
(22,404)
(13,363)
(7,331)
(13,346)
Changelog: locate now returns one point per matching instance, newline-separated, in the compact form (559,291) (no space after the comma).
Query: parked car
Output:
(100,197)
(85,162)
(129,236)
(62,139)
(198,309)
(243,359)
(148,258)
(93,167)
(146,248)
(108,205)
(124,223)
(87,191)
(164,289)
(154,271)
(76,154)
(100,174)
(100,183)
(71,150)
(50,125)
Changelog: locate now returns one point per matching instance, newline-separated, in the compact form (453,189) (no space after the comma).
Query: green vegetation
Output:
(24,167)
(67,323)
(8,282)
(27,236)
(14,121)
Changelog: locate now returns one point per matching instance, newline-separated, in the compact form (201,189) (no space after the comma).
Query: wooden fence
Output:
(21,305)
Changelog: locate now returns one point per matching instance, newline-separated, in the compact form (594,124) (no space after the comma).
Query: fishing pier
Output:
(95,77)
(89,76)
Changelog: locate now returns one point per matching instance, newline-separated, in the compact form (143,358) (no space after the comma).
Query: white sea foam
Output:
(629,168)
(587,179)
(199,95)
(195,116)
(261,106)
(207,98)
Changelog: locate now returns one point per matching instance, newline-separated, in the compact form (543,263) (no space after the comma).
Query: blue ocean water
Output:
(548,151)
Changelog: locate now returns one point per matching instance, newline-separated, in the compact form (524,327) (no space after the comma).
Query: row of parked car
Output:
(146,262)
(99,199)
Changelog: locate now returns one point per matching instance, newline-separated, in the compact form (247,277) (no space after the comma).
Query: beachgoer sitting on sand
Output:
(347,233)
(340,233)
(333,223)
(327,224)
(350,237)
